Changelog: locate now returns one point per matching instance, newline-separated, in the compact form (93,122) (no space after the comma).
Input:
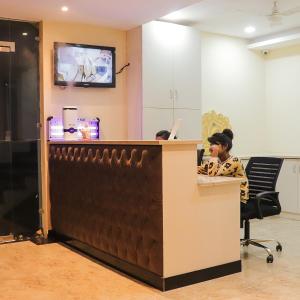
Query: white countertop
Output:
(126,142)
(248,156)
(205,180)
(285,156)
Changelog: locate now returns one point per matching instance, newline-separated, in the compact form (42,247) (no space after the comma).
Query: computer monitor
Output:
(175,129)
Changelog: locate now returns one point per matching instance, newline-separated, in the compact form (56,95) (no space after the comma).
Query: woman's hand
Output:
(214,150)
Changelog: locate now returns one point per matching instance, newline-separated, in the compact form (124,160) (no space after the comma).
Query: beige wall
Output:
(109,104)
(134,83)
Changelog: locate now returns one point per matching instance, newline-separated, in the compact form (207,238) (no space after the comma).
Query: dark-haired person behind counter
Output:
(221,163)
(163,135)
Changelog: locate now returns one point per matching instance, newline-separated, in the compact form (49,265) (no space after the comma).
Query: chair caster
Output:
(270,259)
(19,238)
(244,243)
(278,248)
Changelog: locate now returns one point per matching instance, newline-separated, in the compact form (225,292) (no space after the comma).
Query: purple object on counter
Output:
(56,131)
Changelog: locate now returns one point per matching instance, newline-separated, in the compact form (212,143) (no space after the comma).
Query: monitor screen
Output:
(84,65)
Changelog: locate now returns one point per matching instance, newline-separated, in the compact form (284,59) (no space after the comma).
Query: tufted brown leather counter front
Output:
(110,201)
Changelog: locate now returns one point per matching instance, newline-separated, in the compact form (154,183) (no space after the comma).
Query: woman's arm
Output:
(232,167)
(214,166)
(203,168)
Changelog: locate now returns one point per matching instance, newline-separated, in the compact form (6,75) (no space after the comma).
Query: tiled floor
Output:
(52,271)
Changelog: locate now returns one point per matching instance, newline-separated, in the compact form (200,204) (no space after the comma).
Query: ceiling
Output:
(122,14)
(230,17)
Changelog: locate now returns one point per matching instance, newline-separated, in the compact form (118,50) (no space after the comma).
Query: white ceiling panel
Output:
(230,17)
(122,14)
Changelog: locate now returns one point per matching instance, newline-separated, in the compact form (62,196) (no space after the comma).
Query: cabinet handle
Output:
(171,94)
(176,95)
(294,169)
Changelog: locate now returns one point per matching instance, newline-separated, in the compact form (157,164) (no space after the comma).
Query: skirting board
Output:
(182,280)
(163,284)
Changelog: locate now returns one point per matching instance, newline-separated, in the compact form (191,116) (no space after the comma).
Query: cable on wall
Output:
(122,69)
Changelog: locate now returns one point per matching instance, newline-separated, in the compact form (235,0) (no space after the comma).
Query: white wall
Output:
(171,70)
(233,83)
(283,100)
(260,94)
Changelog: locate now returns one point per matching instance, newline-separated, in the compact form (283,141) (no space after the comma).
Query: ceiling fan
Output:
(276,15)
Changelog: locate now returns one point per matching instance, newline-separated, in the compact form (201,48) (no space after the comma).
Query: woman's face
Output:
(159,138)
(218,148)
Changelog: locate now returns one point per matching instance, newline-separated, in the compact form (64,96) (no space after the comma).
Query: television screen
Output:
(84,65)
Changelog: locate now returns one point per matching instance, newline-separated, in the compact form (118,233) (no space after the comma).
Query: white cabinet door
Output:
(154,120)
(190,128)
(287,185)
(187,68)
(157,65)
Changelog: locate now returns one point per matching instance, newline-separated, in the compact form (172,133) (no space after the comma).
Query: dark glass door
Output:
(19,136)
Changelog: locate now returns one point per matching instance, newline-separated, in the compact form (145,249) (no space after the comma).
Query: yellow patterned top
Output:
(230,167)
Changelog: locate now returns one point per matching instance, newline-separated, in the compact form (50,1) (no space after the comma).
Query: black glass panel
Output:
(19,138)
(5,83)
(25,186)
(6,201)
(25,93)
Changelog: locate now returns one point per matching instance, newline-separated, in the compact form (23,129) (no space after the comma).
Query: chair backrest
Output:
(262,173)
(200,153)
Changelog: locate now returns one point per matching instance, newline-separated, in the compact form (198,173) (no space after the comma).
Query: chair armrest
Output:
(272,195)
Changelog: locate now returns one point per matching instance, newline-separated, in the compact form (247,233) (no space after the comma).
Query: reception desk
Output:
(141,207)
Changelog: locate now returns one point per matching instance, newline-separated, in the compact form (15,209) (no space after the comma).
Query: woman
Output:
(222,163)
(163,135)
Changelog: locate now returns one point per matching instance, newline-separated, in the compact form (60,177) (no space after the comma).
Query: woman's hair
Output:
(164,134)
(225,138)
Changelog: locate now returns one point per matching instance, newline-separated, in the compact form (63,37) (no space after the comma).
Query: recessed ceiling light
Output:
(250,29)
(25,33)
(65,8)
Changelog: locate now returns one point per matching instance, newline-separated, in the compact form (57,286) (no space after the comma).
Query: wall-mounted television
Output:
(84,65)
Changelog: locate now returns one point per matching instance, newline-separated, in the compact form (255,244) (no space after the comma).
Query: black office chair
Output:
(262,173)
(200,154)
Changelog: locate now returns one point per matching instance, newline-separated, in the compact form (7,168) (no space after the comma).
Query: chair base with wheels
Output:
(246,241)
